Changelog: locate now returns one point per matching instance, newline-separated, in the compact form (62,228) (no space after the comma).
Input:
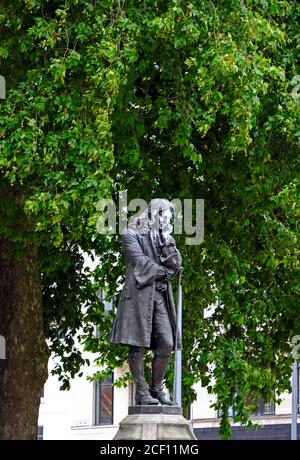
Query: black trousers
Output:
(163,334)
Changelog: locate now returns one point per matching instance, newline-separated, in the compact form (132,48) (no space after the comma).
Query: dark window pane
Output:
(105,409)
(104,402)
(265,408)
(231,412)
(269,408)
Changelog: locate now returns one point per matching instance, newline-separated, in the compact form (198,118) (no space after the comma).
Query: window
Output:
(40,433)
(109,305)
(265,408)
(231,412)
(104,402)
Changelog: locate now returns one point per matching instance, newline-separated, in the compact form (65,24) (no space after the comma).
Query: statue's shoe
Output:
(144,398)
(157,392)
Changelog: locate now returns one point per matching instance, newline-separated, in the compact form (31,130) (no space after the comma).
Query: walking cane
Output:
(178,358)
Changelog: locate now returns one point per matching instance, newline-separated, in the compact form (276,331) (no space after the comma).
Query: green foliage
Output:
(162,98)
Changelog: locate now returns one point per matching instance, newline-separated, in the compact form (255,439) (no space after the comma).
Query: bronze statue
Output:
(146,315)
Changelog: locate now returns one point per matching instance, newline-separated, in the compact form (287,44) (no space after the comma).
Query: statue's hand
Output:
(161,273)
(172,272)
(171,258)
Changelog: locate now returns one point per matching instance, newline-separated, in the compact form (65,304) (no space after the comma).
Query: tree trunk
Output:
(24,371)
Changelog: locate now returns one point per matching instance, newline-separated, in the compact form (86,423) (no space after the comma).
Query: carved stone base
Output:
(154,423)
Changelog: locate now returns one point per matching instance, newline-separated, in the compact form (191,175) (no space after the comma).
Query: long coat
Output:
(133,321)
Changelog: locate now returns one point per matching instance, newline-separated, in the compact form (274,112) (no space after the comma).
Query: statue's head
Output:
(160,213)
(157,216)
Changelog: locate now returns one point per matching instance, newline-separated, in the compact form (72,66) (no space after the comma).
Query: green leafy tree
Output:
(163,98)
(55,160)
(210,110)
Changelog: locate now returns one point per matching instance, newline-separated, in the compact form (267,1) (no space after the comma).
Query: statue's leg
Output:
(136,366)
(162,331)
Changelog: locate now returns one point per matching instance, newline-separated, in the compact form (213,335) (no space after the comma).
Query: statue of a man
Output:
(146,315)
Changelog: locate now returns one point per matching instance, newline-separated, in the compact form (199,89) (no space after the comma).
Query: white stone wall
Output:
(70,414)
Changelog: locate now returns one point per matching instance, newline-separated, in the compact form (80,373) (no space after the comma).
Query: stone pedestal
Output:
(154,423)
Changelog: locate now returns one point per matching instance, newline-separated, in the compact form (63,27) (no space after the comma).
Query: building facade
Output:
(93,410)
